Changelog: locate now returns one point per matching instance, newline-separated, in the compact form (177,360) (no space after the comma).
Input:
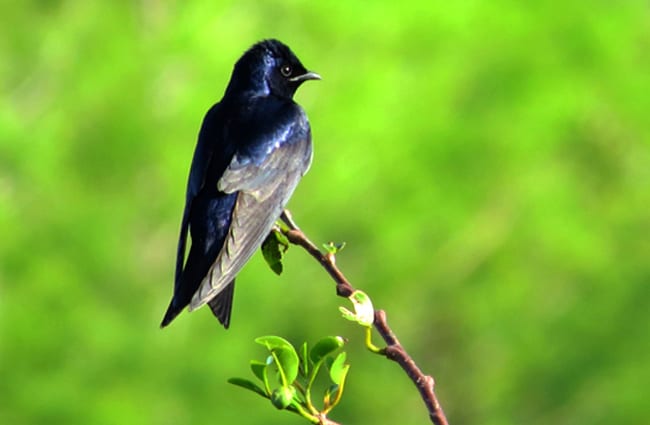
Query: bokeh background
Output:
(487,163)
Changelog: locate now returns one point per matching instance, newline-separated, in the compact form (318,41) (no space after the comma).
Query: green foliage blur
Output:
(487,163)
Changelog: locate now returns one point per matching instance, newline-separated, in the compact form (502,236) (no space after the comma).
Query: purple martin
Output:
(253,148)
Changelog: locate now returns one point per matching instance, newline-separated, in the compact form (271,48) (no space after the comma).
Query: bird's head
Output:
(270,67)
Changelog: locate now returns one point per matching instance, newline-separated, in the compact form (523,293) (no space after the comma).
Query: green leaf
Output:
(304,359)
(284,354)
(272,341)
(249,385)
(259,370)
(283,239)
(273,249)
(324,347)
(288,363)
(338,369)
(364,312)
(333,248)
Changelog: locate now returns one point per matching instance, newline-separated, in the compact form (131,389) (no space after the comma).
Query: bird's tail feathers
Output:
(172,312)
(221,305)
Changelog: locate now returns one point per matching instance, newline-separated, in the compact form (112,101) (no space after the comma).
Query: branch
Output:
(323,420)
(394,350)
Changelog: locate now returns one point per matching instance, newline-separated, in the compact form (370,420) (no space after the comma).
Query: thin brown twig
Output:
(394,350)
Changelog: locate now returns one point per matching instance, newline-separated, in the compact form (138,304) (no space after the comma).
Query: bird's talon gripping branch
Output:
(288,220)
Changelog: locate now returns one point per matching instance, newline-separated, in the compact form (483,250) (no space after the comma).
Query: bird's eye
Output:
(286,70)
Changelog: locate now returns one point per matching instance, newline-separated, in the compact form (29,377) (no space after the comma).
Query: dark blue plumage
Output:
(253,148)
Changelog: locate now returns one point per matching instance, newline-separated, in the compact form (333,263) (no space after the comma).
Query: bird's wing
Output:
(201,160)
(263,188)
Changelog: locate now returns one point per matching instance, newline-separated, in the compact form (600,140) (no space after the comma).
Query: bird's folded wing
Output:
(200,162)
(264,189)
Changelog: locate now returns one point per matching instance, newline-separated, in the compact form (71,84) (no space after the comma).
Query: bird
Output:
(253,148)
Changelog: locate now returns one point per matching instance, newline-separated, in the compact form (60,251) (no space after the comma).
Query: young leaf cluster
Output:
(287,376)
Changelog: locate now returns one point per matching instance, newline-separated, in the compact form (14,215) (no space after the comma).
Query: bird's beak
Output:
(304,77)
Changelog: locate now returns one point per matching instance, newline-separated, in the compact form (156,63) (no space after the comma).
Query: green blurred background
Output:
(487,163)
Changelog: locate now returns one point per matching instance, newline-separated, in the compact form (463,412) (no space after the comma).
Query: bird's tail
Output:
(221,305)
(172,312)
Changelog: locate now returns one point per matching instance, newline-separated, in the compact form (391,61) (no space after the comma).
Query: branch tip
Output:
(394,350)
